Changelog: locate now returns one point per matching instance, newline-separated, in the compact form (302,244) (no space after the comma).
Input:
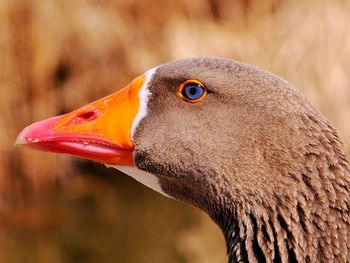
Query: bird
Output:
(236,141)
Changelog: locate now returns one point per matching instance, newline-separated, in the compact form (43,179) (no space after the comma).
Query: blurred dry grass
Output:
(59,55)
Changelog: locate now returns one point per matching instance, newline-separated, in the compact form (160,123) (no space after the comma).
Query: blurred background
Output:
(56,56)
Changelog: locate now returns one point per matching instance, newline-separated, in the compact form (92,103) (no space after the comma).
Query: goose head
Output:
(236,141)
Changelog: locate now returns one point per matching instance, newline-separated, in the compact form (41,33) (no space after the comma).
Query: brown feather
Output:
(255,155)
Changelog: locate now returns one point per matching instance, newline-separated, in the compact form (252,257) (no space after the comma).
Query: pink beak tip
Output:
(35,132)
(21,138)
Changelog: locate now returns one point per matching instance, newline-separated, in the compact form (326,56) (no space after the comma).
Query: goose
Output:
(233,140)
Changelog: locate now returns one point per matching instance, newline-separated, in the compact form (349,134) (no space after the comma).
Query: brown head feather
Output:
(255,155)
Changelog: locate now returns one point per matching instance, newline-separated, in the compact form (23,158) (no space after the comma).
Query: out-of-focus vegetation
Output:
(58,55)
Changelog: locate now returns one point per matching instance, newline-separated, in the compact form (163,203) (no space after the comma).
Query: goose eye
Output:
(192,91)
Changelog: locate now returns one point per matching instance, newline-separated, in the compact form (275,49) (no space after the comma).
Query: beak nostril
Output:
(89,115)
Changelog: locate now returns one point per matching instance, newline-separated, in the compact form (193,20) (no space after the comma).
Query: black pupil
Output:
(193,90)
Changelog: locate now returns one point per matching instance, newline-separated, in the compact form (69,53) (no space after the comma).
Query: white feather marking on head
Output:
(148,179)
(144,94)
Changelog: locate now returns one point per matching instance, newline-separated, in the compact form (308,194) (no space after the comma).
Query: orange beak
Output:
(99,131)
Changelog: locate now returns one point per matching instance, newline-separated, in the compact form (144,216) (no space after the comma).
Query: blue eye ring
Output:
(192,91)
